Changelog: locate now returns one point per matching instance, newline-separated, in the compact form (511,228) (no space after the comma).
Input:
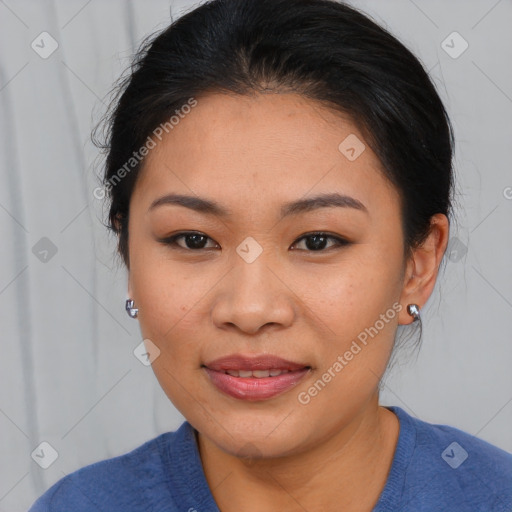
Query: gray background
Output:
(69,376)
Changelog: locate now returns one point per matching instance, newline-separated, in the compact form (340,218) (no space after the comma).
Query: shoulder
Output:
(452,465)
(136,480)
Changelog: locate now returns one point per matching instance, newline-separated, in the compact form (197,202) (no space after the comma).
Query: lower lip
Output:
(252,388)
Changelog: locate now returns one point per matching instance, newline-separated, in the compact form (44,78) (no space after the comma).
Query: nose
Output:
(254,297)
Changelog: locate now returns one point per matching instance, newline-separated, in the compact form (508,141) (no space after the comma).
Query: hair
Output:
(323,50)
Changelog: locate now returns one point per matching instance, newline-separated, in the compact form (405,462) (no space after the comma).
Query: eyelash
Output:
(171,241)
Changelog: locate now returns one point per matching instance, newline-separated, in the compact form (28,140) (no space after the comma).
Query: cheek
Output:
(165,294)
(356,324)
(351,295)
(357,309)
(169,299)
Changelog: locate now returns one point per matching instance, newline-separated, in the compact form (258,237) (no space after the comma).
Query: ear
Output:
(116,223)
(422,268)
(129,286)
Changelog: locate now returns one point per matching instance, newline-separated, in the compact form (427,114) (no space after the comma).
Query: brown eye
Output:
(193,241)
(316,242)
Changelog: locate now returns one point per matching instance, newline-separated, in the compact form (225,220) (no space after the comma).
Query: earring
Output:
(414,311)
(133,312)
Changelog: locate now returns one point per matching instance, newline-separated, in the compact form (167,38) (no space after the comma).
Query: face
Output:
(318,286)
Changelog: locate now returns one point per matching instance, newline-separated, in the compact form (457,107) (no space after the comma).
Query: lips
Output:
(238,362)
(254,378)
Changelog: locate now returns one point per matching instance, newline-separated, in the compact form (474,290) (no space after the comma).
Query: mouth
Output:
(258,374)
(254,378)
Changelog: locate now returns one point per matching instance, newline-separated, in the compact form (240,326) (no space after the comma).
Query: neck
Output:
(347,471)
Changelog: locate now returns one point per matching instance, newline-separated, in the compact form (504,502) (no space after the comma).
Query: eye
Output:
(195,241)
(317,241)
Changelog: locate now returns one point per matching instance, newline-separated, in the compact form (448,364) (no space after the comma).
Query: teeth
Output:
(259,374)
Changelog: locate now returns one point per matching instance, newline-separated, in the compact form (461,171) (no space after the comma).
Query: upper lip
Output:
(262,362)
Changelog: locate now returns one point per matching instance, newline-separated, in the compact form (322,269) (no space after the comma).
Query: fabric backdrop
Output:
(68,373)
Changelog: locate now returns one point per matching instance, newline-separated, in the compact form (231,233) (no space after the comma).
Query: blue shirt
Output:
(436,468)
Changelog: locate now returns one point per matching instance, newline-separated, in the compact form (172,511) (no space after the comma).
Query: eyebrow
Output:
(210,207)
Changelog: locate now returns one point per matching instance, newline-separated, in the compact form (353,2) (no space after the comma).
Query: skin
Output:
(251,155)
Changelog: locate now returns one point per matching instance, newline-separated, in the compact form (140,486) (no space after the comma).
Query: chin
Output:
(255,435)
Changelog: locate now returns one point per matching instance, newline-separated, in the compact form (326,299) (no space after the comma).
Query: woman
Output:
(280,180)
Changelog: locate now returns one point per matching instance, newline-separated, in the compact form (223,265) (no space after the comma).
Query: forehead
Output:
(243,149)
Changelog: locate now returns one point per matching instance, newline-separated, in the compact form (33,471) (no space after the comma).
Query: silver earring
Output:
(414,311)
(133,312)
